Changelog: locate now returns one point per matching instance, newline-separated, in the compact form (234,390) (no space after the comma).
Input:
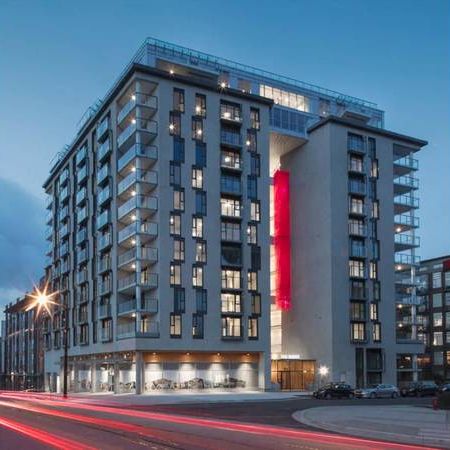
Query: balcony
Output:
(82,255)
(105,287)
(104,311)
(103,219)
(106,335)
(63,249)
(403,166)
(104,264)
(49,202)
(148,254)
(405,259)
(230,160)
(149,155)
(356,146)
(230,139)
(104,150)
(147,280)
(128,329)
(81,236)
(404,203)
(357,252)
(81,156)
(81,196)
(405,242)
(64,194)
(356,166)
(231,113)
(104,195)
(142,125)
(150,102)
(356,187)
(105,241)
(49,218)
(405,184)
(64,231)
(230,186)
(405,222)
(356,229)
(102,128)
(82,215)
(147,230)
(103,174)
(148,178)
(139,201)
(82,174)
(82,276)
(63,213)
(64,177)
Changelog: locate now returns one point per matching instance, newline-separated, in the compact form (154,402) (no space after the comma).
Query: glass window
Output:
(251,141)
(437,319)
(255,165)
(230,159)
(375,210)
(197,178)
(447,320)
(197,128)
(447,279)
(356,268)
(200,154)
(230,184)
(178,249)
(447,298)
(178,199)
(285,98)
(178,100)
(200,203)
(376,332)
(231,255)
(230,207)
(356,205)
(252,234)
(179,300)
(175,274)
(200,252)
(356,227)
(374,311)
(201,301)
(356,163)
(256,304)
(231,303)
(175,325)
(358,331)
(200,105)
(175,173)
(252,279)
(253,328)
(252,187)
(255,122)
(231,279)
(175,224)
(174,124)
(231,327)
(438,358)
(230,231)
(178,150)
(197,326)
(197,227)
(355,142)
(357,311)
(197,276)
(437,300)
(373,270)
(438,338)
(255,214)
(437,280)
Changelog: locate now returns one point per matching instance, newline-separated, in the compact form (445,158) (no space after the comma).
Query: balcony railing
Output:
(125,330)
(142,176)
(102,128)
(149,101)
(104,311)
(64,230)
(231,161)
(63,177)
(104,150)
(407,200)
(103,219)
(408,162)
(139,201)
(135,151)
(406,220)
(82,174)
(406,239)
(407,181)
(63,213)
(231,113)
(356,187)
(64,194)
(148,228)
(103,173)
(406,259)
(81,156)
(105,241)
(357,252)
(104,195)
(126,307)
(104,287)
(81,196)
(106,335)
(82,214)
(145,125)
(104,264)
(146,280)
(229,138)
(355,166)
(82,255)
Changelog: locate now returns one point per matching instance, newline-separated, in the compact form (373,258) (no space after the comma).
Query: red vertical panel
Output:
(282,239)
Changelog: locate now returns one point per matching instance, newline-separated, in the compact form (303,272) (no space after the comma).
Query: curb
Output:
(302,417)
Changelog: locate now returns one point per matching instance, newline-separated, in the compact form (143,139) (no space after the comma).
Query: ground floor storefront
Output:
(141,372)
(293,374)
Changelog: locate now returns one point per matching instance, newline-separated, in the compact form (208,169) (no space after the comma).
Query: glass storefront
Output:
(293,374)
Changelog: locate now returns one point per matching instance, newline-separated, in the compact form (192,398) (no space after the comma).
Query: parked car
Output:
(444,388)
(378,391)
(420,389)
(334,390)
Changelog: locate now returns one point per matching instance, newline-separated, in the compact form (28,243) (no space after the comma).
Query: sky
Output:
(57,58)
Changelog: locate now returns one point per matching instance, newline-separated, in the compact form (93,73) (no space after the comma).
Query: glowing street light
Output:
(323,371)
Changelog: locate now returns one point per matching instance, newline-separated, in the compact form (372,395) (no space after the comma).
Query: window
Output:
(178,150)
(254,119)
(197,178)
(178,249)
(197,276)
(252,234)
(200,154)
(375,210)
(356,205)
(231,303)
(356,164)
(285,98)
(447,279)
(374,168)
(200,203)
(374,311)
(231,279)
(175,274)
(373,270)
(376,291)
(255,214)
(197,326)
(178,100)
(201,301)
(356,268)
(230,184)
(230,111)
(230,159)
(438,338)
(231,255)
(175,173)
(179,300)
(230,231)
(231,327)
(447,298)
(200,105)
(372,147)
(200,252)
(253,328)
(438,358)
(175,325)
(197,128)
(255,257)
(376,332)
(355,142)
(436,280)
(357,311)
(252,187)
(447,320)
(437,320)
(230,207)
(437,300)
(252,281)
(256,304)
(255,165)
(175,224)
(358,331)
(251,142)
(357,248)
(174,124)
(178,199)
(197,227)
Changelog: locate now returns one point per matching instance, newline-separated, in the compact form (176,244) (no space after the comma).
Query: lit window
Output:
(197,276)
(178,249)
(231,303)
(197,178)
(358,331)
(175,274)
(231,327)
(178,100)
(376,332)
(253,328)
(197,227)
(231,279)
(178,199)
(175,325)
(255,213)
(200,252)
(175,224)
(252,279)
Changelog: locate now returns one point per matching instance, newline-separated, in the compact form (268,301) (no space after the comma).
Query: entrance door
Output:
(285,381)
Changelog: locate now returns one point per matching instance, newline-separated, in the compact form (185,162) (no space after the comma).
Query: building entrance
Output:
(293,374)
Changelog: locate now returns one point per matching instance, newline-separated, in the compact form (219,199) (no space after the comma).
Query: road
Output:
(39,421)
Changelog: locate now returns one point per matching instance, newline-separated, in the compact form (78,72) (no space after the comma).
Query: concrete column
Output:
(75,377)
(139,373)
(116,378)
(415,370)
(264,382)
(93,377)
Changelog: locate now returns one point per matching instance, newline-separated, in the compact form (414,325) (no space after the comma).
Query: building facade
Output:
(210,216)
(22,347)
(433,318)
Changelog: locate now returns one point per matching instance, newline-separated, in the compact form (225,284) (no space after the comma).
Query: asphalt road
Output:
(42,422)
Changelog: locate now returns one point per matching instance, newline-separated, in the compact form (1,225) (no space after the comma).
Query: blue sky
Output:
(57,58)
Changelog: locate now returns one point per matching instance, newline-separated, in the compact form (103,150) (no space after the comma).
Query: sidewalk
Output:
(405,424)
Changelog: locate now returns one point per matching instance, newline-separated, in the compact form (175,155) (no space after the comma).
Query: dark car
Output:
(420,389)
(444,388)
(334,390)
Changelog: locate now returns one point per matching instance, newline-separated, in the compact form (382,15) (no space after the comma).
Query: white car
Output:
(378,391)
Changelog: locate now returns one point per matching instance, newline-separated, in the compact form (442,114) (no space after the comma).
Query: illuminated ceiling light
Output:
(398,229)
(400,325)
(133,97)
(226,115)
(171,72)
(133,241)
(218,354)
(133,193)
(399,267)
(227,159)
(223,85)
(133,315)
(133,266)
(247,142)
(171,127)
(187,354)
(133,169)
(133,121)
(133,217)
(197,109)
(154,353)
(399,306)
(199,132)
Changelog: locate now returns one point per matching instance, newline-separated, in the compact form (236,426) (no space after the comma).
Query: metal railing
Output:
(137,150)
(407,181)
(407,220)
(407,200)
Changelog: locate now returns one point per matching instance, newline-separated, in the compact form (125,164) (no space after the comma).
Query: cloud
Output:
(22,244)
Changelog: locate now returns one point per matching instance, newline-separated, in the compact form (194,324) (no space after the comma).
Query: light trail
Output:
(43,436)
(263,430)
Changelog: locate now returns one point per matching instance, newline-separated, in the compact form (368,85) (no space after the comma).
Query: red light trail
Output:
(263,430)
(43,436)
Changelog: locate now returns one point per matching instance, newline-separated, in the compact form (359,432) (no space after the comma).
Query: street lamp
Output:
(42,299)
(323,372)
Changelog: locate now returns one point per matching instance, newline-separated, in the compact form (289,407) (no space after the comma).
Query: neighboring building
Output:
(23,355)
(159,217)
(433,318)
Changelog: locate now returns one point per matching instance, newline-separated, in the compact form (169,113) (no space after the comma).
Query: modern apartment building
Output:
(22,350)
(433,318)
(204,205)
